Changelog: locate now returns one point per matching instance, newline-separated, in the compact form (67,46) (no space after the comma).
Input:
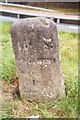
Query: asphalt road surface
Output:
(60,27)
(68,28)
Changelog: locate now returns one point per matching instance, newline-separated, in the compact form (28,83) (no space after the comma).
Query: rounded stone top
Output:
(43,21)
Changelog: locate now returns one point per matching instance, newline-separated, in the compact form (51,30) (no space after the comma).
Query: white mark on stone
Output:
(51,94)
(45,65)
(48,87)
(44,88)
(47,26)
(19,47)
(39,62)
(47,40)
(46,23)
(32,26)
(49,62)
(44,39)
(24,48)
(47,95)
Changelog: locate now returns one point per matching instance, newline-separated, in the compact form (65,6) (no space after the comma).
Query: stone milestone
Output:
(35,45)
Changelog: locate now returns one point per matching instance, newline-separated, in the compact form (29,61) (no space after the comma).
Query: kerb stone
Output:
(35,45)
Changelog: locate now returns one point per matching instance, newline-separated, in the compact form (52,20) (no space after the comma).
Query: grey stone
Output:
(35,44)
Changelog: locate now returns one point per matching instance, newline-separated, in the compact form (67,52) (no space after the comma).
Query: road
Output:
(61,27)
(68,28)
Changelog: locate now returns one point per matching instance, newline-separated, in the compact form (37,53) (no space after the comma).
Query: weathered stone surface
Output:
(35,44)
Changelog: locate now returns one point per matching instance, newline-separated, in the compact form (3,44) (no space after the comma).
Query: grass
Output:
(66,107)
(8,64)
